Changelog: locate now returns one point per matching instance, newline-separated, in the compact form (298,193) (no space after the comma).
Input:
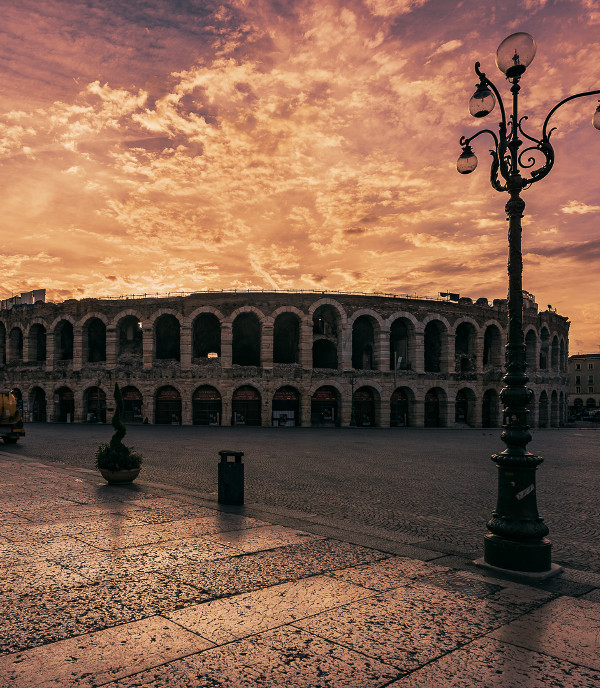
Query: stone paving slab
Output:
(275,659)
(42,617)
(488,663)
(222,621)
(100,657)
(262,538)
(408,626)
(565,628)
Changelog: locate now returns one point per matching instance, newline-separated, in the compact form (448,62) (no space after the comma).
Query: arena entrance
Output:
(132,405)
(95,405)
(399,409)
(324,407)
(245,406)
(168,406)
(364,407)
(286,408)
(206,406)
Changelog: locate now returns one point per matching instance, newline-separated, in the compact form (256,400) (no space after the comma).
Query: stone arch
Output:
(563,356)
(464,407)
(15,344)
(492,346)
(37,342)
(94,405)
(435,342)
(336,305)
(367,406)
(436,408)
(129,335)
(167,337)
(246,338)
(206,335)
(167,405)
(465,338)
(286,406)
(64,405)
(402,407)
(402,341)
(490,409)
(2,343)
(531,357)
(325,405)
(555,354)
(365,335)
(63,340)
(94,339)
(38,405)
(286,337)
(207,406)
(246,406)
(133,405)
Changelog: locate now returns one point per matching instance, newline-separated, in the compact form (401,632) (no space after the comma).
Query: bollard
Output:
(231,478)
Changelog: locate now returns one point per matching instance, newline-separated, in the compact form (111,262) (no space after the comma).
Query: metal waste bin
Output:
(231,478)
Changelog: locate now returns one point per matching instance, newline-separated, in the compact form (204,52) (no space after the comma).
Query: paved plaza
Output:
(155,585)
(434,487)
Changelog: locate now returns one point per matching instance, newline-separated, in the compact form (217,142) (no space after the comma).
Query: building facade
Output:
(584,385)
(278,359)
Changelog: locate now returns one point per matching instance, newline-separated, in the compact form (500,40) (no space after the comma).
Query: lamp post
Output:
(517,538)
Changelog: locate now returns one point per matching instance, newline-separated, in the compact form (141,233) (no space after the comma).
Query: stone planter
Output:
(122,477)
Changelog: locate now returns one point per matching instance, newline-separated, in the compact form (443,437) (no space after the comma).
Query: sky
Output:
(186,145)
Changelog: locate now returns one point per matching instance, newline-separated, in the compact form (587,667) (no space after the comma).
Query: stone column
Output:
(148,346)
(450,411)
(448,362)
(27,347)
(111,347)
(226,406)
(266,346)
(226,347)
(479,339)
(382,350)
(77,348)
(416,412)
(345,349)
(384,413)
(305,407)
(185,347)
(50,351)
(418,365)
(306,341)
(186,410)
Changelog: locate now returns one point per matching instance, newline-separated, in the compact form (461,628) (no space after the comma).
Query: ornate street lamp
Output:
(517,538)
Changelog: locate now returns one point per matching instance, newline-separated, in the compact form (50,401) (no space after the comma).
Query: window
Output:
(578,366)
(590,390)
(590,366)
(590,379)
(577,390)
(577,379)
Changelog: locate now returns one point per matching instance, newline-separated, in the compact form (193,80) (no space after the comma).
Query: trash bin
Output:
(231,478)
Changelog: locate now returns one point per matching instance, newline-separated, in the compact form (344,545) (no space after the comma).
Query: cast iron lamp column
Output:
(517,538)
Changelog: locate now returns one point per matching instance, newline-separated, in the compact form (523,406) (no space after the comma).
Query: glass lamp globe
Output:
(596,118)
(515,54)
(482,101)
(467,161)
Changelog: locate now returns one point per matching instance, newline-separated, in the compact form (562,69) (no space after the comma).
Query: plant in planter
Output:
(117,462)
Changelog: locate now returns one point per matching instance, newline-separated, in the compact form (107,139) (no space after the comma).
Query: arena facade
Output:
(278,359)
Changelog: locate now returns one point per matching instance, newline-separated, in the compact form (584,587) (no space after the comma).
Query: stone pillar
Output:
(345,350)
(305,408)
(479,353)
(186,410)
(27,347)
(384,413)
(416,413)
(345,405)
(382,350)
(478,413)
(450,411)
(185,348)
(226,405)
(50,351)
(111,347)
(419,357)
(448,362)
(148,346)
(266,419)
(306,342)
(77,348)
(226,347)
(266,346)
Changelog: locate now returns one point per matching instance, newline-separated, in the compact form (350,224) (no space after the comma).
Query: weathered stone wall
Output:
(449,373)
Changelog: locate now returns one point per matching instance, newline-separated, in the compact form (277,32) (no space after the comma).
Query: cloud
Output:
(578,208)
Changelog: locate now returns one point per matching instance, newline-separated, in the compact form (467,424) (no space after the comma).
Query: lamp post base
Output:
(526,576)
(532,556)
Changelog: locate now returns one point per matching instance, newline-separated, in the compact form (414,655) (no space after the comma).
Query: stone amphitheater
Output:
(278,359)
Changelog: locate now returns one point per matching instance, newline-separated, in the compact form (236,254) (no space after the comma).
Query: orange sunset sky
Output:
(163,145)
